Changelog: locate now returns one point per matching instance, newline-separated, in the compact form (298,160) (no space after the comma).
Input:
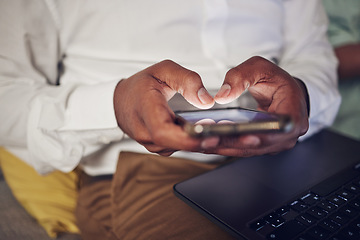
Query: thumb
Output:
(247,74)
(184,81)
(234,85)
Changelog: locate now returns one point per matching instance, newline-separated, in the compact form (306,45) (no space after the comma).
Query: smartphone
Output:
(231,122)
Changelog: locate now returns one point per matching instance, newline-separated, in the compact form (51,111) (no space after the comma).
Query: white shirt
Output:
(98,43)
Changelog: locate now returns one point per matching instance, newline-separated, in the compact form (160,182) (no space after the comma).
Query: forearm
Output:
(50,123)
(349,61)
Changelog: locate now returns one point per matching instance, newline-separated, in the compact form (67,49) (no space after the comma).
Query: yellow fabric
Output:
(50,199)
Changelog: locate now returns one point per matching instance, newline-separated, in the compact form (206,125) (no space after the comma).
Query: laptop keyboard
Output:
(330,210)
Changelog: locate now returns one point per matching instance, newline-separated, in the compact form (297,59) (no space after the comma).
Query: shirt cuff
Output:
(91,107)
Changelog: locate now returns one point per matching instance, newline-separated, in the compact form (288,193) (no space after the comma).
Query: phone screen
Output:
(235,115)
(231,121)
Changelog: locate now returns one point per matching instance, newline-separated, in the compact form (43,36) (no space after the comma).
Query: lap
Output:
(141,204)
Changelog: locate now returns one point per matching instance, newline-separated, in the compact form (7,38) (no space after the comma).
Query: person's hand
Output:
(142,111)
(275,91)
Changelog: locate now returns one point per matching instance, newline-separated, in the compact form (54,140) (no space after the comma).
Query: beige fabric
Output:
(139,202)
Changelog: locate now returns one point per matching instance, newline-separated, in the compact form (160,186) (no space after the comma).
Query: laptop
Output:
(309,192)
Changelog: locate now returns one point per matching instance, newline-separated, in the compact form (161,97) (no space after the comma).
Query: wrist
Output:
(305,93)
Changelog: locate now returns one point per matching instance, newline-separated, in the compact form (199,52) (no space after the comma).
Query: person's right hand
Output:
(142,111)
(275,91)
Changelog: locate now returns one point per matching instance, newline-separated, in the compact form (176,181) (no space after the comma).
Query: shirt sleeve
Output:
(58,124)
(308,55)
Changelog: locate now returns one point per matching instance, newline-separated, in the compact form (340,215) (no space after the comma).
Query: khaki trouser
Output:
(139,203)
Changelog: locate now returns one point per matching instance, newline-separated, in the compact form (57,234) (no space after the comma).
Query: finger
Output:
(159,120)
(166,153)
(246,141)
(272,87)
(236,81)
(260,150)
(244,76)
(156,128)
(259,140)
(183,81)
(232,87)
(254,142)
(287,99)
(159,150)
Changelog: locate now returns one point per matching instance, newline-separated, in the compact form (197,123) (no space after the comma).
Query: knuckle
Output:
(233,73)
(258,60)
(190,80)
(167,62)
(267,68)
(192,77)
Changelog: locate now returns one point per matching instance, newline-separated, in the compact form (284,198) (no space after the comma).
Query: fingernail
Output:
(224,91)
(251,141)
(204,96)
(210,142)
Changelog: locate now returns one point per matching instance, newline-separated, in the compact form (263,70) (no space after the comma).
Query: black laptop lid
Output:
(235,194)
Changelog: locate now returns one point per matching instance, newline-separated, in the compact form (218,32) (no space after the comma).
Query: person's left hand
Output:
(142,111)
(276,92)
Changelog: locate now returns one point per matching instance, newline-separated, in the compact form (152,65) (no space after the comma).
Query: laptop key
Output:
(310,198)
(298,206)
(283,210)
(355,204)
(353,188)
(317,212)
(272,216)
(339,218)
(345,194)
(349,211)
(258,224)
(277,222)
(266,230)
(318,233)
(350,234)
(327,206)
(287,231)
(304,237)
(306,219)
(335,199)
(329,225)
(337,237)
(356,224)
